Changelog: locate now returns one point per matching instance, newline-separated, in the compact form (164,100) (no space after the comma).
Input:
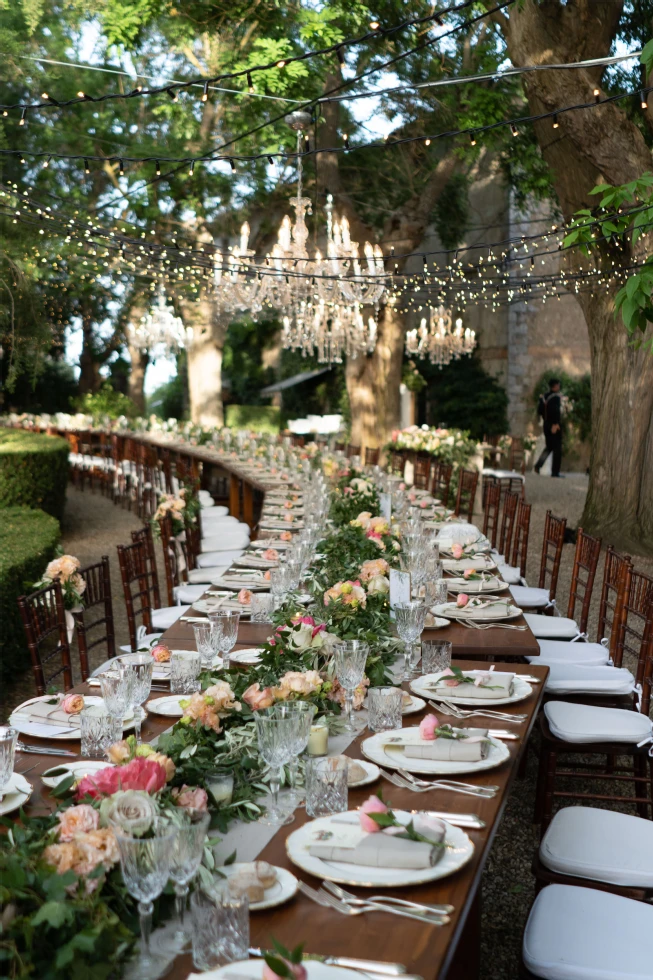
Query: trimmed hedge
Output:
(258,418)
(28,539)
(33,471)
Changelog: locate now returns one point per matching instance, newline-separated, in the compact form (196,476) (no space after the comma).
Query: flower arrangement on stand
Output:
(65,570)
(181,507)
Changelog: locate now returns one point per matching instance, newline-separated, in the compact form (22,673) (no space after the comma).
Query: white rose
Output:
(301,639)
(379,585)
(132,810)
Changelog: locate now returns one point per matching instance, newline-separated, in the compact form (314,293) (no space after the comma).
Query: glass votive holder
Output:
(262,607)
(185,670)
(384,708)
(436,656)
(98,729)
(221,787)
(326,785)
(220,927)
(318,738)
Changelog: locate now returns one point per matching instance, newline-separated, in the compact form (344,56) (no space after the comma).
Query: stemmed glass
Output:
(275,743)
(409,617)
(217,625)
(116,690)
(350,660)
(140,666)
(204,644)
(229,622)
(145,863)
(303,713)
(185,858)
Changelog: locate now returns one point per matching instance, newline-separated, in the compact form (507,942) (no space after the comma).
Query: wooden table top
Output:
(429,951)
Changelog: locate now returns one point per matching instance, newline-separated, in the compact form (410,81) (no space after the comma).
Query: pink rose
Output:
(468,573)
(245,597)
(72,704)
(424,504)
(77,820)
(161,653)
(373,805)
(427,728)
(348,491)
(457,550)
(285,536)
(257,698)
(140,773)
(266,575)
(402,486)
(462,600)
(191,797)
(270,554)
(412,497)
(288,518)
(449,678)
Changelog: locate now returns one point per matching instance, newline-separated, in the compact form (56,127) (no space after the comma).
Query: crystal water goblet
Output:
(436,656)
(185,669)
(230,621)
(204,643)
(275,744)
(350,659)
(186,854)
(303,713)
(141,665)
(409,617)
(115,685)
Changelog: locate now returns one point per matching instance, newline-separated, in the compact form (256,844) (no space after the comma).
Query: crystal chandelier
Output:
(160,332)
(439,339)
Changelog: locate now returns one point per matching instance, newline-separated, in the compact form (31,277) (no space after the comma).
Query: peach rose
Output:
(427,728)
(457,550)
(245,597)
(161,653)
(257,698)
(77,820)
(72,704)
(270,554)
(191,797)
(372,805)
(119,752)
(285,536)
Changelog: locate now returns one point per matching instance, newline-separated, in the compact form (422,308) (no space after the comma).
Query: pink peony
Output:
(77,820)
(457,550)
(462,600)
(427,728)
(191,797)
(373,805)
(270,554)
(245,597)
(257,698)
(161,653)
(143,774)
(72,704)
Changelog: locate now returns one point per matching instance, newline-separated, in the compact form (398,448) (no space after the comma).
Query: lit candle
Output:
(221,787)
(318,740)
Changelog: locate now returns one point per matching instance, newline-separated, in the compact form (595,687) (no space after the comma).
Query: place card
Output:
(399,587)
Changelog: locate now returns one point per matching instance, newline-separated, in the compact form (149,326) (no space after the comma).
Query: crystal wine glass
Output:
(230,621)
(275,743)
(409,617)
(303,713)
(203,643)
(141,666)
(145,863)
(186,855)
(116,690)
(350,660)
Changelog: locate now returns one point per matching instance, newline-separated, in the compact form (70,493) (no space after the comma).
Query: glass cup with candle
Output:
(318,738)
(220,785)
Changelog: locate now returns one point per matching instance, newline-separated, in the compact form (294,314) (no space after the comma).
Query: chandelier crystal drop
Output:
(439,338)
(160,332)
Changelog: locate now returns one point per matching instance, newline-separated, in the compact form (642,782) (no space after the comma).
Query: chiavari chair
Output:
(44,621)
(467,483)
(441,474)
(421,472)
(351,450)
(507,527)
(554,537)
(520,543)
(97,595)
(397,463)
(339,447)
(371,456)
(132,559)
(492,499)
(144,534)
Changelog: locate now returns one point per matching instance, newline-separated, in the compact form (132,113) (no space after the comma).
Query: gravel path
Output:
(93,527)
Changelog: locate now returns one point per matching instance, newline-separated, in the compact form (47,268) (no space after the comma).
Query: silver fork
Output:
(326,899)
(348,898)
(489,792)
(448,708)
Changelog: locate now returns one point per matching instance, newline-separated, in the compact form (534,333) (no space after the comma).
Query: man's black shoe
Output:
(536,469)
(558,476)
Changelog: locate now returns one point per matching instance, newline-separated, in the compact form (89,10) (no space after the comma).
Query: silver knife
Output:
(347,962)
(40,750)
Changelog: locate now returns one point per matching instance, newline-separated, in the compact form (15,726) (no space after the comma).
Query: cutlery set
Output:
(45,750)
(403,779)
(448,708)
(348,963)
(353,906)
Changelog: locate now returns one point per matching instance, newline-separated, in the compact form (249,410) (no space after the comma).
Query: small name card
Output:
(399,587)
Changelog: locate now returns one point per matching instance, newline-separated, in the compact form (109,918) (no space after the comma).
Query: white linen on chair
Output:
(528,598)
(552,627)
(580,723)
(578,679)
(603,845)
(189,593)
(509,573)
(206,575)
(162,619)
(214,510)
(213,558)
(144,641)
(218,520)
(228,539)
(562,651)
(576,933)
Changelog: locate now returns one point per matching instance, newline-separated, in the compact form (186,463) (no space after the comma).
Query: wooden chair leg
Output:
(639,769)
(541,782)
(549,787)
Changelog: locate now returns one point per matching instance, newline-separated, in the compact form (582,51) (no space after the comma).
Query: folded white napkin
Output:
(384,851)
(497,685)
(473,748)
(50,714)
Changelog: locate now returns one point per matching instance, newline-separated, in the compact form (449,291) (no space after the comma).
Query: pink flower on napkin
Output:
(457,550)
(161,653)
(449,678)
(270,554)
(424,504)
(468,573)
(285,536)
(72,704)
(373,805)
(428,727)
(462,600)
(245,597)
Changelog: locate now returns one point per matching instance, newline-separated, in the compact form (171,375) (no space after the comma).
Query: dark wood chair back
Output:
(397,463)
(508,517)
(171,555)
(554,536)
(97,596)
(491,503)
(616,585)
(371,456)
(467,483)
(636,612)
(297,440)
(522,530)
(517,457)
(583,575)
(339,447)
(421,472)
(351,450)
(441,474)
(144,534)
(193,544)
(136,587)
(644,677)
(44,620)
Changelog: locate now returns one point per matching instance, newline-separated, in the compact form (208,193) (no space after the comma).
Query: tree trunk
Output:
(139,361)
(373,382)
(89,364)
(204,361)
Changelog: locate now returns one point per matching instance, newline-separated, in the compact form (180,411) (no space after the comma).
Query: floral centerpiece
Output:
(447,445)
(352,494)
(65,570)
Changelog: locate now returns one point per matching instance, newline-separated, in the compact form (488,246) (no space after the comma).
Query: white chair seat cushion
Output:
(509,573)
(214,510)
(529,598)
(589,723)
(189,593)
(212,558)
(227,540)
(162,619)
(603,845)
(576,933)
(206,575)
(561,651)
(145,641)
(219,520)
(577,679)
(552,627)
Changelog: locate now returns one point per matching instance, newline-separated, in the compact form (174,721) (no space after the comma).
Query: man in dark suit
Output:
(549,408)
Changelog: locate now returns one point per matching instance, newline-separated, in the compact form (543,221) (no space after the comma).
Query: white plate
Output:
(275,543)
(253,969)
(254,562)
(15,794)
(476,586)
(168,705)
(253,584)
(416,705)
(281,891)
(521,689)
(489,615)
(78,769)
(372,773)
(375,749)
(252,655)
(435,622)
(454,857)
(38,730)
(456,566)
(206,606)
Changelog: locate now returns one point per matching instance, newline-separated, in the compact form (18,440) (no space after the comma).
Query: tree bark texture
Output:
(139,361)
(204,360)
(592,146)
